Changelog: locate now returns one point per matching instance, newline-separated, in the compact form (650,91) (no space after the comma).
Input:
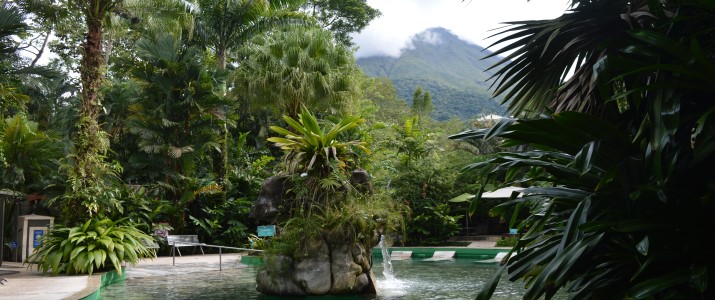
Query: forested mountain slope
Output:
(451,69)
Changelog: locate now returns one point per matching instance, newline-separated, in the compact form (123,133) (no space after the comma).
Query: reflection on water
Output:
(457,279)
(414,279)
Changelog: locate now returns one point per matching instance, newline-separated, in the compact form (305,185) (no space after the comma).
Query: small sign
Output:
(267,230)
(36,235)
(13,245)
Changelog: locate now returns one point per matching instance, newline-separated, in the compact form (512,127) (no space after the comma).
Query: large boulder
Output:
(273,194)
(312,268)
(276,278)
(318,269)
(345,271)
(360,180)
(267,205)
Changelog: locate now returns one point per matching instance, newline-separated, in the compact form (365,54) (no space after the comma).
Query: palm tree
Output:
(227,24)
(616,207)
(295,67)
(89,168)
(11,23)
(177,117)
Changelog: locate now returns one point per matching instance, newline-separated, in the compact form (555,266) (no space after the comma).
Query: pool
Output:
(414,279)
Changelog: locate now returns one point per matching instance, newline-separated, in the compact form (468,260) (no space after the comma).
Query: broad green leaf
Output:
(585,158)
(280,130)
(99,257)
(490,286)
(462,198)
(76,251)
(650,287)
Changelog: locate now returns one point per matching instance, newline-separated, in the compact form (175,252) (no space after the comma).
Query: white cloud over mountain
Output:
(471,20)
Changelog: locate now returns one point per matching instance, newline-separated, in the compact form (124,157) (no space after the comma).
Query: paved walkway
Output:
(26,284)
(488,242)
(29,284)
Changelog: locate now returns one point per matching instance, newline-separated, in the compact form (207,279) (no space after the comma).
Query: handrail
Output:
(220,259)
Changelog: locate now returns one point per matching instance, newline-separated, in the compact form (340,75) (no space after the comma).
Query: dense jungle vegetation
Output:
(157,115)
(159,112)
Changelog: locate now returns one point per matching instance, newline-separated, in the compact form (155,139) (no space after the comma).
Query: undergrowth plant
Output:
(97,245)
(358,219)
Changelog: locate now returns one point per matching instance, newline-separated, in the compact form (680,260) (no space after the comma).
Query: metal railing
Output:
(220,248)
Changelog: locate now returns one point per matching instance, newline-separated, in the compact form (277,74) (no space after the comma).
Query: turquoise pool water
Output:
(414,279)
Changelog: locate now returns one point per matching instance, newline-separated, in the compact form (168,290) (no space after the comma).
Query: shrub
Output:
(96,245)
(509,241)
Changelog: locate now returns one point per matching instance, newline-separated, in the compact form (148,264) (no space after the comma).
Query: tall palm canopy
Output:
(294,67)
(227,24)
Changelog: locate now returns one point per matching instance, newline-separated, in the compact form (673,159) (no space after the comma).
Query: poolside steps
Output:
(441,255)
(419,253)
(496,260)
(400,255)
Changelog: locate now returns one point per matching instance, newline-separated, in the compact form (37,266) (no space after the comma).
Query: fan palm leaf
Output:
(615,206)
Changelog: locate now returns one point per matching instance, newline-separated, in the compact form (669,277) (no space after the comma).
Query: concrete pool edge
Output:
(460,252)
(96,283)
(417,252)
(252,260)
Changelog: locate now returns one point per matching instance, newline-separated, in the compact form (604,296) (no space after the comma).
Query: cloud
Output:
(429,37)
(471,20)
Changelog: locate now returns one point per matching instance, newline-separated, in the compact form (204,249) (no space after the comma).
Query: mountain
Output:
(451,69)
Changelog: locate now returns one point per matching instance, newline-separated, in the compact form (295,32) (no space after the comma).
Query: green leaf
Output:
(643,246)
(280,130)
(107,242)
(650,287)
(55,260)
(490,286)
(99,257)
(585,158)
(462,198)
(76,251)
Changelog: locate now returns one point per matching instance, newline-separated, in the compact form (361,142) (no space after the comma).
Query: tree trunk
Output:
(91,74)
(222,173)
(88,145)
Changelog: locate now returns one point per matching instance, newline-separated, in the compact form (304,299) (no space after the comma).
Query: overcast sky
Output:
(470,20)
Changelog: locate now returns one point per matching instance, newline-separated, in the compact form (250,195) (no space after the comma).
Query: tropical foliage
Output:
(158,112)
(424,179)
(616,197)
(295,67)
(28,156)
(319,162)
(11,98)
(315,150)
(227,24)
(96,245)
(342,17)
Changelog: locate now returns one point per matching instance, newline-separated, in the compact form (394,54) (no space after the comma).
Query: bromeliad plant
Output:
(94,246)
(317,160)
(325,206)
(314,150)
